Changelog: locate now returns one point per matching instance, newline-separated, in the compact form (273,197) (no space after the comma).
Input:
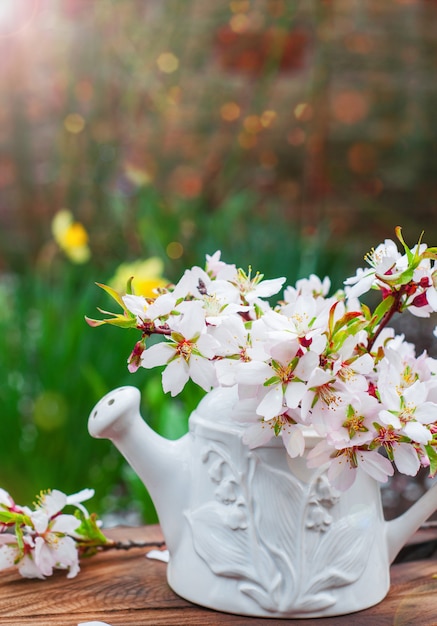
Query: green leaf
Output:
(408,252)
(114,294)
(430,253)
(382,308)
(122,321)
(9,518)
(350,411)
(19,536)
(129,288)
(366,312)
(406,277)
(89,529)
(348,320)
(432,456)
(331,319)
(274,380)
(125,320)
(177,337)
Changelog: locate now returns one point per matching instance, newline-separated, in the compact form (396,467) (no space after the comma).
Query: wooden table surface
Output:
(123,588)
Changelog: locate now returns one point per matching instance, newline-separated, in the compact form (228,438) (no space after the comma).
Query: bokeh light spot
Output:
(230,111)
(239,23)
(303,111)
(74,123)
(167,62)
(138,175)
(350,107)
(175,250)
(268,117)
(252,124)
(50,410)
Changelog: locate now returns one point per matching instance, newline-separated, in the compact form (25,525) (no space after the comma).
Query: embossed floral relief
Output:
(278,537)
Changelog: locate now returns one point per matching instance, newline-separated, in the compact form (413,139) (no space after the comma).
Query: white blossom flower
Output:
(47,536)
(186,354)
(219,269)
(263,430)
(382,259)
(288,386)
(408,412)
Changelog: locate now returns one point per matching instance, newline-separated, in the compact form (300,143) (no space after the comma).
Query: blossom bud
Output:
(420,300)
(134,360)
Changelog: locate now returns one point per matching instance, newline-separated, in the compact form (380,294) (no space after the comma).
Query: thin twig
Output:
(123,545)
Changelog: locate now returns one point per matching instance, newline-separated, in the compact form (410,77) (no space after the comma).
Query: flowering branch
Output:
(312,360)
(44,538)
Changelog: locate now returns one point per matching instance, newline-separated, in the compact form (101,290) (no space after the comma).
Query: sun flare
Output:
(16,15)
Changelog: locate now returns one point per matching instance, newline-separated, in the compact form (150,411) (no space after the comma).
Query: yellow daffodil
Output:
(147,277)
(71,236)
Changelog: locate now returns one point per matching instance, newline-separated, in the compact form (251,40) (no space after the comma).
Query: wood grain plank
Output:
(126,589)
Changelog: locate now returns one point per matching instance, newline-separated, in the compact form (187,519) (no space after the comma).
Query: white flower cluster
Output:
(311,361)
(44,539)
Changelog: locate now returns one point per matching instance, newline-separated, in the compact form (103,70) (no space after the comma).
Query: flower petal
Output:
(294,394)
(65,524)
(159,354)
(175,376)
(406,459)
(294,441)
(272,403)
(374,464)
(258,434)
(8,554)
(28,568)
(202,372)
(80,496)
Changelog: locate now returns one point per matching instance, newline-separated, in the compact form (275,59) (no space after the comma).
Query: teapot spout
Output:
(399,530)
(161,464)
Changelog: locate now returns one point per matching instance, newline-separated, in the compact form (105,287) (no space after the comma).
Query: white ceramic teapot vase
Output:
(255,532)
